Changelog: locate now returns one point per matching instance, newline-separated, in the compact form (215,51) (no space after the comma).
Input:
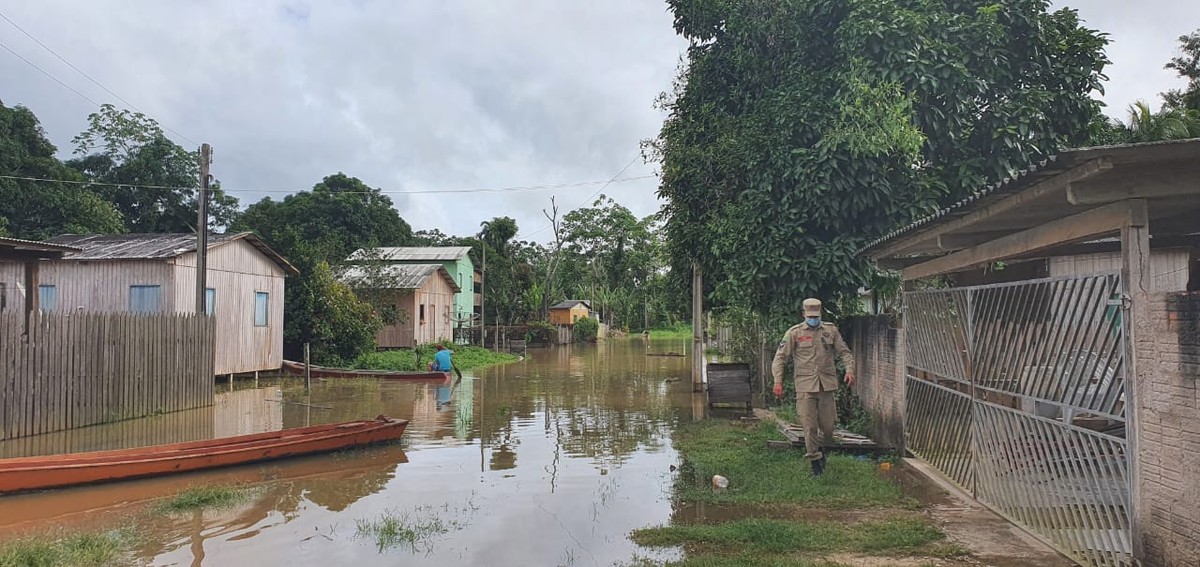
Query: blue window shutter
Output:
(262,302)
(144,298)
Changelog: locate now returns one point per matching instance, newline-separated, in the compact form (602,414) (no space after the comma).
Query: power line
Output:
(46,73)
(598,191)
(414,192)
(85,75)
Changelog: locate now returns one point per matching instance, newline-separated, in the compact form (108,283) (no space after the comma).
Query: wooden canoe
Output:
(325,372)
(52,471)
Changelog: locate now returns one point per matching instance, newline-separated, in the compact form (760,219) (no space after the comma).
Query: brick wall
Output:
(1168,359)
(878,347)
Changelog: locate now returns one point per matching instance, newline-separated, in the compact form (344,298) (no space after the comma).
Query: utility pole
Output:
(202,229)
(697,328)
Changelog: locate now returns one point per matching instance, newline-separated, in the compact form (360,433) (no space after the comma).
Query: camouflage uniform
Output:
(812,352)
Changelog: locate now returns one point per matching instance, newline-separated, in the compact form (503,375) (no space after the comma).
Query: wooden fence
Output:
(79,369)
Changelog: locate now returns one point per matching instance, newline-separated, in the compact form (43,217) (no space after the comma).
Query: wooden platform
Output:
(842,440)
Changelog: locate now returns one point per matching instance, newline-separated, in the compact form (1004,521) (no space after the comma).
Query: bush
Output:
(585,330)
(541,332)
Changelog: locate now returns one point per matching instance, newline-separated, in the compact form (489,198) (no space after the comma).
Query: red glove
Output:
(777,390)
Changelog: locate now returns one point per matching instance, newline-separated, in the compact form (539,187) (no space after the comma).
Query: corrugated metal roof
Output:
(412,253)
(33,245)
(571,303)
(96,247)
(1050,166)
(394,276)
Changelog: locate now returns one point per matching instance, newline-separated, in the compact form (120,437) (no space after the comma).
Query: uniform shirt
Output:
(441,360)
(812,352)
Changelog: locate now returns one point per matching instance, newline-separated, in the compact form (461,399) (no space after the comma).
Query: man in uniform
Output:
(813,346)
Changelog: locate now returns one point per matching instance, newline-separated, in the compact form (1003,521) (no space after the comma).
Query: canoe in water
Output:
(53,471)
(325,372)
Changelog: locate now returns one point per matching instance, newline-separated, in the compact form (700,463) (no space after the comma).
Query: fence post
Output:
(307,370)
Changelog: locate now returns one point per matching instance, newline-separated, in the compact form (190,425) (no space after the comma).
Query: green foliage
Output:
(781,536)
(799,130)
(1187,65)
(585,330)
(760,475)
(541,332)
(37,210)
(81,550)
(317,230)
(675,331)
(464,357)
(121,147)
(206,497)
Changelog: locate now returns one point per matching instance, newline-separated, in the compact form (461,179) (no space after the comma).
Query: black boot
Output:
(818,466)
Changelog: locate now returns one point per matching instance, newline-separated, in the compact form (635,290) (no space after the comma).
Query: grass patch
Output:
(205,497)
(394,529)
(464,357)
(85,550)
(746,560)
(782,536)
(760,475)
(676,331)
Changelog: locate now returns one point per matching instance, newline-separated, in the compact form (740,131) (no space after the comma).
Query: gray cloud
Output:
(420,95)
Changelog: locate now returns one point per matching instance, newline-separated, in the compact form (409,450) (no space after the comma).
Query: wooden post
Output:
(1135,279)
(31,291)
(202,229)
(307,370)
(697,328)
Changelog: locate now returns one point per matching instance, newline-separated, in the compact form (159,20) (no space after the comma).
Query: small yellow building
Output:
(569,311)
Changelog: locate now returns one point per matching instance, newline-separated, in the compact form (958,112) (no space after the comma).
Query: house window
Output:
(422,319)
(210,301)
(47,297)
(144,298)
(261,301)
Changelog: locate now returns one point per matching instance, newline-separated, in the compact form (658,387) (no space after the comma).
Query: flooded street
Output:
(552,460)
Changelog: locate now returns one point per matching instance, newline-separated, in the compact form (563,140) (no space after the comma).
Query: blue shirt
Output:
(441,360)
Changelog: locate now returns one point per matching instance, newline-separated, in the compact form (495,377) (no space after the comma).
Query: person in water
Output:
(441,360)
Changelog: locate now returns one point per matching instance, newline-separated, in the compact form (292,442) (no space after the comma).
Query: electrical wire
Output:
(414,192)
(593,196)
(47,73)
(85,75)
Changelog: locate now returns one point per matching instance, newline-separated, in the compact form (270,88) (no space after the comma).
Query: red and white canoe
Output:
(53,471)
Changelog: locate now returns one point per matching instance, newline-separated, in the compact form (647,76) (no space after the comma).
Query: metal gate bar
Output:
(1002,381)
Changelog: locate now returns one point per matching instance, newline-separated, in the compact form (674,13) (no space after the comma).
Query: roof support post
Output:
(1135,278)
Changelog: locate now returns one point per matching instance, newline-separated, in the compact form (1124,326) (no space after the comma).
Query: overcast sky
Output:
(421,95)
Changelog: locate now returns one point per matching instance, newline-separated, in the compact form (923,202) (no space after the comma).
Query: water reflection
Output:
(562,454)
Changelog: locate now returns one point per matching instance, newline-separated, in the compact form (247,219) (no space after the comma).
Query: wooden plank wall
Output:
(79,369)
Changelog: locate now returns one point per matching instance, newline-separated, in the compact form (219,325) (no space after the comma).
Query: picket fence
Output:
(77,369)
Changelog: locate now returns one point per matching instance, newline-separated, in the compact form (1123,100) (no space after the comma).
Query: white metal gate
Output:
(1016,391)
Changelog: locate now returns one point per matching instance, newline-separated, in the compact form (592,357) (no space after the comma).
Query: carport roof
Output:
(1064,200)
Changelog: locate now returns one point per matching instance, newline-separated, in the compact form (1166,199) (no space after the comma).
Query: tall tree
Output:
(1187,65)
(41,209)
(152,181)
(799,129)
(317,230)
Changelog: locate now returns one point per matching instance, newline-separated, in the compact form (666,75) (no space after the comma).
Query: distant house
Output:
(156,273)
(569,311)
(418,299)
(455,259)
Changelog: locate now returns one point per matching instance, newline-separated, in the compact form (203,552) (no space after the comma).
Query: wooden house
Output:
(456,260)
(156,273)
(569,311)
(418,301)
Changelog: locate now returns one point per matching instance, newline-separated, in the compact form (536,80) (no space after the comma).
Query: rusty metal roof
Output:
(22,245)
(411,253)
(99,247)
(394,276)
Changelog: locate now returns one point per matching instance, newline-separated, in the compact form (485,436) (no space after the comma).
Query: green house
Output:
(456,260)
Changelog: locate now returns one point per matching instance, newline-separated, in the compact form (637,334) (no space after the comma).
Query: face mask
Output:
(813,321)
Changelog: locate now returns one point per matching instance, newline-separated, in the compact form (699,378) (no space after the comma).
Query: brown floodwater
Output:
(552,460)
